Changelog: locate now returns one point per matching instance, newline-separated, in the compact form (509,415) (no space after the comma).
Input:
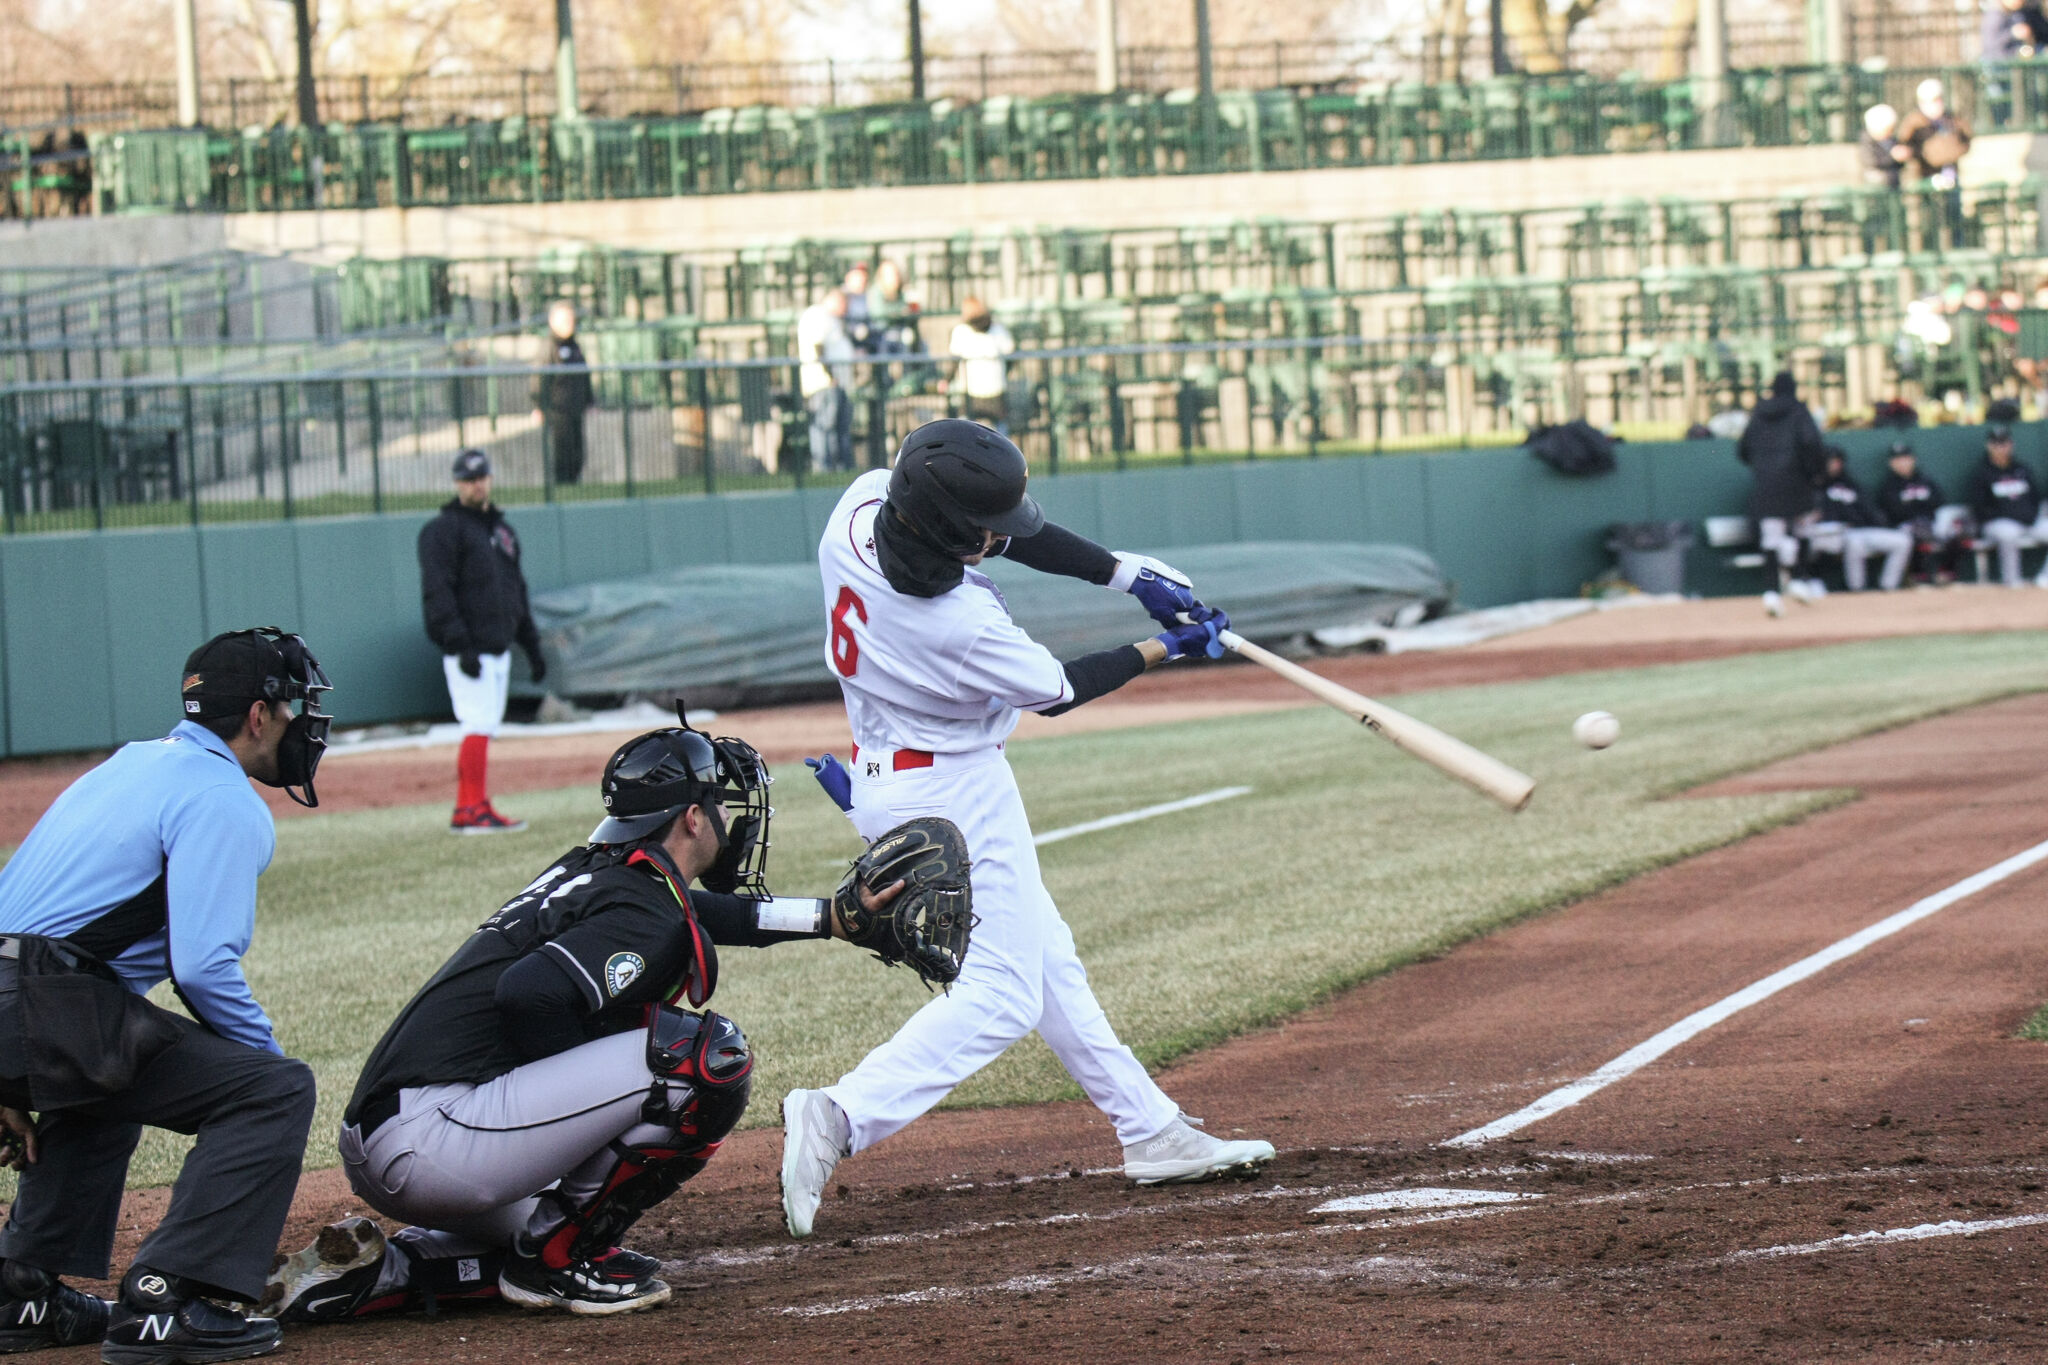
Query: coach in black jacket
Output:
(2006,501)
(474,598)
(560,399)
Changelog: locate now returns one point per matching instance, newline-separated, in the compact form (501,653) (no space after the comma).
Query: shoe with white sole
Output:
(328,1280)
(1183,1154)
(815,1135)
(1774,605)
(614,1281)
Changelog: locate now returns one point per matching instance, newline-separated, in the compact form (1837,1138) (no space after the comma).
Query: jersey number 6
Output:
(846,649)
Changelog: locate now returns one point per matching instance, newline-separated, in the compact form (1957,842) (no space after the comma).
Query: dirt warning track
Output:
(1852,1168)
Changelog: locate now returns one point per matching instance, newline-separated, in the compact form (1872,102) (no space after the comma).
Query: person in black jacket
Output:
(2005,500)
(552,1053)
(561,399)
(1850,519)
(474,598)
(1783,449)
(1908,500)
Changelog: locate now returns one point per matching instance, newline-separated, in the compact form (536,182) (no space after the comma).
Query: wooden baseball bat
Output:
(1483,772)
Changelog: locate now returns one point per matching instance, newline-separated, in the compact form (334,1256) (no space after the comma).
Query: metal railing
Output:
(224,449)
(1927,38)
(1002,140)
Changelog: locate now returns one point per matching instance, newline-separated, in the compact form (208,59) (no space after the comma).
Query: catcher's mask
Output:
(655,777)
(228,673)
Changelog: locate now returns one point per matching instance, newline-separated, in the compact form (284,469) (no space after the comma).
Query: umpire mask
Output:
(228,673)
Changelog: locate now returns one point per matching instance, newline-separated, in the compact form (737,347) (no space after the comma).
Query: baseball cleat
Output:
(38,1311)
(1774,604)
(330,1279)
(614,1281)
(1183,1154)
(483,820)
(153,1323)
(815,1135)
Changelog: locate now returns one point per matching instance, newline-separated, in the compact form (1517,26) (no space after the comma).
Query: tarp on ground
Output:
(748,629)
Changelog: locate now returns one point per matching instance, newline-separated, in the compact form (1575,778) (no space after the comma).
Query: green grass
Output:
(1347,860)
(2036,1027)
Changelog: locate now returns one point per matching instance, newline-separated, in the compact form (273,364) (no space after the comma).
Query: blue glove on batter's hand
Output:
(1164,591)
(834,778)
(1197,638)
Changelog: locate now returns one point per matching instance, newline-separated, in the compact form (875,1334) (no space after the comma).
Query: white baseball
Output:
(1596,729)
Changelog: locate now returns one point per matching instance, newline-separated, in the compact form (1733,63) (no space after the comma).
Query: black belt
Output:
(375,1112)
(10,948)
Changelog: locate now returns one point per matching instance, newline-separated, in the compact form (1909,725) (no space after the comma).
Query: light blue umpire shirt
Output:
(180,808)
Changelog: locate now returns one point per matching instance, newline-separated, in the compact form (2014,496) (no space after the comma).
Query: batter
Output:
(934,673)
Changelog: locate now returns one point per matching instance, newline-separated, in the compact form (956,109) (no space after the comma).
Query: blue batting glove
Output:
(1166,593)
(833,777)
(1197,638)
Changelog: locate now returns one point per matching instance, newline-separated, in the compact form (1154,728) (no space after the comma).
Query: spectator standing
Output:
(143,871)
(978,346)
(1844,504)
(1937,140)
(561,397)
(1783,449)
(473,595)
(2005,500)
(1908,500)
(859,325)
(1878,150)
(826,378)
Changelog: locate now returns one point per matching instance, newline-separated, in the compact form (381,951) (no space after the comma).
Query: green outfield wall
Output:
(94,626)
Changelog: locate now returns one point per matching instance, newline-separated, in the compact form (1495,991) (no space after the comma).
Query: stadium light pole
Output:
(186,25)
(1497,38)
(1105,46)
(1712,67)
(568,99)
(916,51)
(1205,71)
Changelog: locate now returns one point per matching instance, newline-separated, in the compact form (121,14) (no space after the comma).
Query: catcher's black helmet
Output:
(954,479)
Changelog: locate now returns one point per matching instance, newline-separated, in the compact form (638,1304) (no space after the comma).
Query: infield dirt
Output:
(1709,1207)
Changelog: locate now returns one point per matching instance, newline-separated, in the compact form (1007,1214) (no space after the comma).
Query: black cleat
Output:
(155,1323)
(38,1311)
(615,1281)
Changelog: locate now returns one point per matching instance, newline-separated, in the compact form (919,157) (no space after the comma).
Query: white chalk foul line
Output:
(1131,817)
(1642,1054)
(1918,1233)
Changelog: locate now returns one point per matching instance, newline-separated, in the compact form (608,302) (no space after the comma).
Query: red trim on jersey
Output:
(855,544)
(697,982)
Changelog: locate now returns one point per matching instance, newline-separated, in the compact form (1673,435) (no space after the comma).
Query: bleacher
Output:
(1013,138)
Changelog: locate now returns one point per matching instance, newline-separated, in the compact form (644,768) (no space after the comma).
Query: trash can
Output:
(1651,554)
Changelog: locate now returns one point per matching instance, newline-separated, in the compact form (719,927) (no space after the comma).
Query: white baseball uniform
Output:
(933,687)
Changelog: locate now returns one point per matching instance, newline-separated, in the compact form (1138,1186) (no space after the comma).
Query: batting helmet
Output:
(955,479)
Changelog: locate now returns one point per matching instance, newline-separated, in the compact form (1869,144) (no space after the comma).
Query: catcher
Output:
(547,1087)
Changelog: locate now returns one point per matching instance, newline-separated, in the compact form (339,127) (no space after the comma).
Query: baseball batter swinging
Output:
(934,673)
(551,1053)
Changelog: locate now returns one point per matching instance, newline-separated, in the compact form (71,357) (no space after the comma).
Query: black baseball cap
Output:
(233,669)
(1898,448)
(1998,431)
(472,464)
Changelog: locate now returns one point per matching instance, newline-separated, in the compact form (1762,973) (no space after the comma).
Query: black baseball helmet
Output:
(955,479)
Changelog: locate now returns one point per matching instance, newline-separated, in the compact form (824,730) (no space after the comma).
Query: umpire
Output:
(145,869)
(474,598)
(562,394)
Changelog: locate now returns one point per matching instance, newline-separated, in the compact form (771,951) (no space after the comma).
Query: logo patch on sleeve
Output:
(622,970)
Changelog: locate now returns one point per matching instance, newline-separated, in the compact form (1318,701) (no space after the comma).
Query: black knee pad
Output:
(708,1054)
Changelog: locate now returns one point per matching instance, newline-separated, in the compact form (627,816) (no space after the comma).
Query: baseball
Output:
(1596,729)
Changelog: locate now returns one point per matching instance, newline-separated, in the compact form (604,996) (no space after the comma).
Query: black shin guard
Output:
(703,1076)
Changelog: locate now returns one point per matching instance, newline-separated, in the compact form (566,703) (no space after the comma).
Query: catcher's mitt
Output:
(927,926)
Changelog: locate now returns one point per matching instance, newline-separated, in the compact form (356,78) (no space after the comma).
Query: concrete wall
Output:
(740,219)
(93,627)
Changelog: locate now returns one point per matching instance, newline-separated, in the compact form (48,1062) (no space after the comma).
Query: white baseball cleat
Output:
(815,1135)
(343,1264)
(1182,1154)
(1774,605)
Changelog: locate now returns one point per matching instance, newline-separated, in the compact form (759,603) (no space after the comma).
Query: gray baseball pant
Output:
(471,1160)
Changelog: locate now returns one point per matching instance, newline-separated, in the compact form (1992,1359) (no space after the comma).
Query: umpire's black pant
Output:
(565,445)
(249,1110)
